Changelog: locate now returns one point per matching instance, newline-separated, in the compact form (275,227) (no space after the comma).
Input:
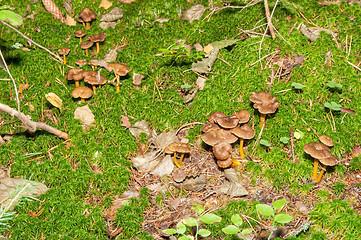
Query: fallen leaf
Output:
(125,121)
(100,63)
(49,114)
(233,187)
(164,167)
(220,44)
(146,162)
(201,81)
(198,47)
(313,33)
(347,110)
(206,63)
(161,20)
(69,21)
(193,183)
(31,107)
(141,127)
(68,5)
(86,116)
(105,4)
(115,14)
(51,7)
(111,56)
(137,80)
(105,25)
(193,13)
(165,138)
(302,208)
(54,100)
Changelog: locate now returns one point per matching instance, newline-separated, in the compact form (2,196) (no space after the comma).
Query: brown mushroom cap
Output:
(264,102)
(245,132)
(214,136)
(326,140)
(95,80)
(86,44)
(89,74)
(329,161)
(79,33)
(317,150)
(209,126)
(82,92)
(73,71)
(87,15)
(227,122)
(100,37)
(212,118)
(225,163)
(222,150)
(177,147)
(243,116)
(64,51)
(81,62)
(120,69)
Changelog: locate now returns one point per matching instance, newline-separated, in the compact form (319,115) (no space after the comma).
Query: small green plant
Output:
(333,106)
(297,86)
(265,143)
(334,85)
(10,16)
(277,218)
(235,228)
(284,140)
(208,218)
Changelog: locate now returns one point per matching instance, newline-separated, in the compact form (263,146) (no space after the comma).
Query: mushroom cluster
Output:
(175,148)
(221,131)
(321,153)
(265,103)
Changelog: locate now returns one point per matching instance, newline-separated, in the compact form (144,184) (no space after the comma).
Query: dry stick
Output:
(258,138)
(353,65)
(273,35)
(30,40)
(30,125)
(292,145)
(12,79)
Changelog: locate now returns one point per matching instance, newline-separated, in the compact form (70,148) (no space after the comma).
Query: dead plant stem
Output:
(268,16)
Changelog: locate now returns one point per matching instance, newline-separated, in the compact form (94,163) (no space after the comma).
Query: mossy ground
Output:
(67,170)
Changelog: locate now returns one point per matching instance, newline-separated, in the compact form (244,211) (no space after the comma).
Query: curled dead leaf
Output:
(54,100)
(193,13)
(115,14)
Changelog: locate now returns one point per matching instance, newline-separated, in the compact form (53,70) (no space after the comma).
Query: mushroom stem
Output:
(315,167)
(175,160)
(76,83)
(262,120)
(320,176)
(181,159)
(241,153)
(82,100)
(87,25)
(64,59)
(118,82)
(86,52)
(97,44)
(80,39)
(235,163)
(94,89)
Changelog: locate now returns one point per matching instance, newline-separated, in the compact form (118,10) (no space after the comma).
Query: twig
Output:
(12,79)
(275,52)
(270,26)
(30,40)
(353,65)
(30,125)
(292,145)
(186,125)
(258,138)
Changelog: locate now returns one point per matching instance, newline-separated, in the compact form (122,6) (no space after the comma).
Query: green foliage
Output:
(298,86)
(11,17)
(334,84)
(333,106)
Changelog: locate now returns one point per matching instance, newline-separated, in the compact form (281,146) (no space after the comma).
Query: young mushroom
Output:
(86,45)
(175,148)
(318,151)
(244,132)
(119,70)
(86,16)
(243,116)
(215,115)
(79,34)
(265,103)
(100,37)
(81,62)
(222,152)
(96,80)
(330,161)
(74,74)
(82,92)
(63,52)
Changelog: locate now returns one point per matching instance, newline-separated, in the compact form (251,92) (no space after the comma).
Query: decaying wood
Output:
(30,125)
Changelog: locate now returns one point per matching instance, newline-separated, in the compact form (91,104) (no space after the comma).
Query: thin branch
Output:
(12,79)
(30,125)
(30,40)
(273,35)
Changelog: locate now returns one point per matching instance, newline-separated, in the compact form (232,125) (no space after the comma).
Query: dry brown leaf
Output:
(54,100)
(234,187)
(86,116)
(125,121)
(68,5)
(69,21)
(105,25)
(105,4)
(100,63)
(51,7)
(49,113)
(115,14)
(193,13)
(165,167)
(201,81)
(139,127)
(137,80)
(111,56)
(31,107)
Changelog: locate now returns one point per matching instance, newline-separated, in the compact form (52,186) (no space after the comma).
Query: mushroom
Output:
(79,34)
(175,148)
(82,92)
(119,69)
(64,52)
(227,122)
(222,152)
(74,74)
(329,161)
(214,116)
(265,103)
(86,45)
(218,135)
(100,37)
(81,62)
(244,132)
(243,116)
(209,126)
(326,140)
(96,80)
(318,151)
(86,16)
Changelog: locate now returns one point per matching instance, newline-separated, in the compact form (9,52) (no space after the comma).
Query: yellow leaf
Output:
(54,99)
(105,4)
